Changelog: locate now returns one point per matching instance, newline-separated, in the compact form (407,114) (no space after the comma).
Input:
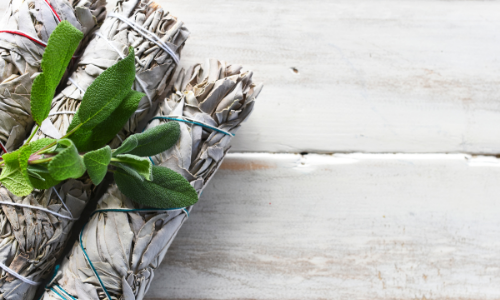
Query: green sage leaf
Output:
(35,174)
(152,141)
(40,144)
(103,133)
(97,163)
(39,174)
(142,165)
(128,145)
(102,97)
(14,174)
(130,171)
(167,190)
(67,163)
(40,177)
(60,49)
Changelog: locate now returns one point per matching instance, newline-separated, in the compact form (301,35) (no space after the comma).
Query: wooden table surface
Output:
(368,169)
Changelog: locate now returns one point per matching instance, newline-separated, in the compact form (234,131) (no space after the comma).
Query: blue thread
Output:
(53,276)
(132,210)
(195,123)
(59,287)
(62,297)
(90,263)
(56,269)
(138,209)
(113,210)
(189,122)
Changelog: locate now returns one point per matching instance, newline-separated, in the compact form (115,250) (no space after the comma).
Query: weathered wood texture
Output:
(373,76)
(340,227)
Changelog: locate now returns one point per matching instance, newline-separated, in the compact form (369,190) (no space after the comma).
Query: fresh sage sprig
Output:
(106,106)
(63,43)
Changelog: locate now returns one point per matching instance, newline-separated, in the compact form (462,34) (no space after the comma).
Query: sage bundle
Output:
(157,37)
(36,227)
(24,33)
(124,242)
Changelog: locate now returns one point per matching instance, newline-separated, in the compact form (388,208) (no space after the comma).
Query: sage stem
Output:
(33,134)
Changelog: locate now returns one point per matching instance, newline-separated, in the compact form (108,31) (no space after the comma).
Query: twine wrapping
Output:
(24,32)
(154,66)
(32,240)
(125,248)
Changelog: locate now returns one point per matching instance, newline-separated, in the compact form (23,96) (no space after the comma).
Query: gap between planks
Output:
(372,76)
(343,226)
(371,155)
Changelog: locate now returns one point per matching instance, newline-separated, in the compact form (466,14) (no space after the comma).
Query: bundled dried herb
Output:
(125,242)
(47,231)
(24,32)
(154,65)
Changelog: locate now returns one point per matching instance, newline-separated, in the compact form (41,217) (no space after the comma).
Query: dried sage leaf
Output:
(20,57)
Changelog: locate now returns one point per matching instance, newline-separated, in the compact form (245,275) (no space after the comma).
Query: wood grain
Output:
(340,227)
(373,76)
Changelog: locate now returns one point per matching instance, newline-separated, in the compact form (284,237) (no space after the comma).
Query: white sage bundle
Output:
(123,243)
(31,239)
(24,265)
(158,38)
(24,32)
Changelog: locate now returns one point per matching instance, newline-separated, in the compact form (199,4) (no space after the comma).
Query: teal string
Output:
(135,210)
(71,297)
(131,210)
(189,122)
(56,269)
(114,210)
(62,297)
(195,123)
(58,294)
(90,263)
(138,210)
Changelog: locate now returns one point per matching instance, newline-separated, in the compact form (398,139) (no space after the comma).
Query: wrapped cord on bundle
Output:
(126,265)
(44,233)
(24,32)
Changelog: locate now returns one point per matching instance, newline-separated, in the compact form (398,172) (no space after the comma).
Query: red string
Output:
(53,10)
(41,43)
(3,148)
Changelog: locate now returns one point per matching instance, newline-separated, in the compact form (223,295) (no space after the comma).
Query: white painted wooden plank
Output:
(340,227)
(373,76)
